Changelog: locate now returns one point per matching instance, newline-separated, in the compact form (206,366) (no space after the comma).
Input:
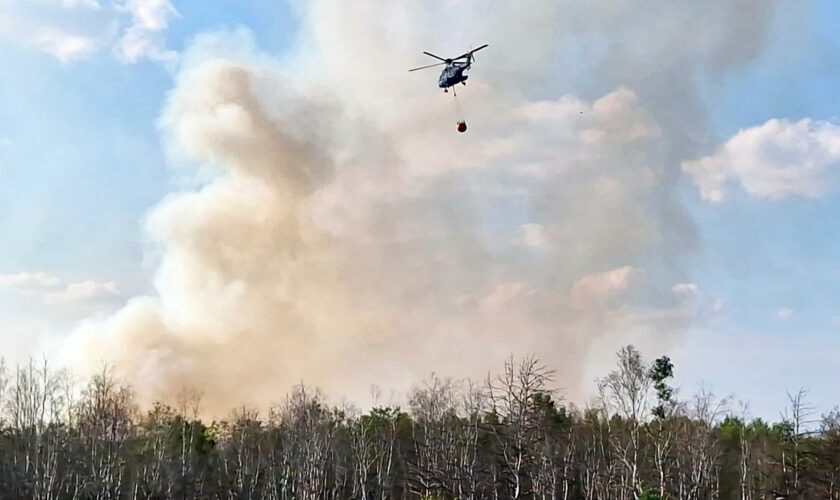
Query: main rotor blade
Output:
(470,53)
(429,66)
(436,57)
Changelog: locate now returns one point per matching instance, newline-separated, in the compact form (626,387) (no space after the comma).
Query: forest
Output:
(510,435)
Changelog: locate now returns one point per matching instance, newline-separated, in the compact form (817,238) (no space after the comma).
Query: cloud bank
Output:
(143,38)
(344,234)
(65,47)
(777,160)
(74,30)
(52,289)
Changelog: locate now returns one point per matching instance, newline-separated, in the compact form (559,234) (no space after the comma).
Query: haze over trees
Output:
(508,436)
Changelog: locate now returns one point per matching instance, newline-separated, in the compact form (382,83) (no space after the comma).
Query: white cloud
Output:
(697,302)
(784,313)
(65,47)
(72,4)
(83,290)
(144,37)
(52,289)
(835,322)
(28,280)
(71,30)
(66,4)
(534,236)
(779,159)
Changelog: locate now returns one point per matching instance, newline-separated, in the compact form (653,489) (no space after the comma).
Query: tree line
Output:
(508,436)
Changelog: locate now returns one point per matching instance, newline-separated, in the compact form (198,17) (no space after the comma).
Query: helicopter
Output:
(453,73)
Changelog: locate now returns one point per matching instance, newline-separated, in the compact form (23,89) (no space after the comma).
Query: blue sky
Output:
(760,256)
(81,163)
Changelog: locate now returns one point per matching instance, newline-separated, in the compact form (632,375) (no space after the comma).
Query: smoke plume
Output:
(342,233)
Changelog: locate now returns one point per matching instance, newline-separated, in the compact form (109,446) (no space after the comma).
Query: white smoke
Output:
(348,235)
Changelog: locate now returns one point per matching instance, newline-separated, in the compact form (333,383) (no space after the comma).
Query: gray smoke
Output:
(345,234)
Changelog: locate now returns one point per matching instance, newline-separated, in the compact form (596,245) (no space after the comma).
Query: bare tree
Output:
(797,417)
(473,406)
(828,456)
(305,461)
(433,438)
(105,413)
(699,453)
(508,436)
(513,397)
(626,393)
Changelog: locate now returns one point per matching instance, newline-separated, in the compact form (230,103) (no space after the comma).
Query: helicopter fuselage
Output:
(453,74)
